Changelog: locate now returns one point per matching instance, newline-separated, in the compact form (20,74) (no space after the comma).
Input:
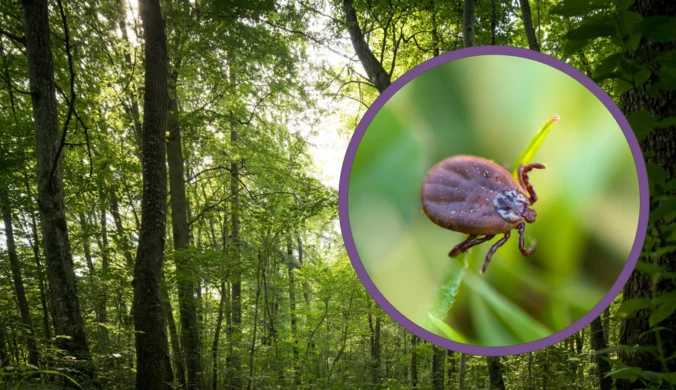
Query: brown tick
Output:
(478,197)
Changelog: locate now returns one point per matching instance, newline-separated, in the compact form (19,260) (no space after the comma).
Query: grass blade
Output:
(535,142)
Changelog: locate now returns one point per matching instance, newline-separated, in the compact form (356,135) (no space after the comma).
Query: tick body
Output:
(478,197)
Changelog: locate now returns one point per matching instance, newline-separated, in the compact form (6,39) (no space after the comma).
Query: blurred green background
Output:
(588,207)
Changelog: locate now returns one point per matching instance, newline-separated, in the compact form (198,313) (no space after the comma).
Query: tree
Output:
(152,350)
(495,372)
(528,25)
(468,23)
(67,319)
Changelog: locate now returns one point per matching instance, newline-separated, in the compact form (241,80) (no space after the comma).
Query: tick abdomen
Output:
(459,192)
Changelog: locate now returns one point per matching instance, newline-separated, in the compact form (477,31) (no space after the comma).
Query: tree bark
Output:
(493,21)
(495,372)
(438,363)
(375,350)
(68,320)
(181,230)
(152,349)
(374,69)
(468,23)
(461,381)
(602,365)
(292,312)
(29,334)
(235,325)
(528,25)
(414,361)
(450,367)
(179,367)
(122,240)
(217,334)
(659,148)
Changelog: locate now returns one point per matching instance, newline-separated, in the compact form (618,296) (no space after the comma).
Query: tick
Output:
(478,197)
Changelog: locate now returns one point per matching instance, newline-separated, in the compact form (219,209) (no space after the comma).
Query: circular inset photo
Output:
(494,200)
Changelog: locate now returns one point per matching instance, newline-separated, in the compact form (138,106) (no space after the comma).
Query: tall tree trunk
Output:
(659,149)
(235,325)
(179,366)
(414,361)
(495,372)
(217,334)
(493,21)
(179,224)
(18,286)
(132,107)
(35,244)
(461,381)
(374,69)
(63,287)
(602,365)
(450,367)
(468,23)
(105,268)
(292,312)
(152,349)
(438,363)
(528,26)
(375,349)
(120,235)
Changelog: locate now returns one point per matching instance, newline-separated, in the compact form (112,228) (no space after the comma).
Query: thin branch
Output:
(71,105)
(16,38)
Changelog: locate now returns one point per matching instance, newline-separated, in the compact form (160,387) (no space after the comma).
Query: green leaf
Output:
(631,306)
(524,327)
(592,29)
(578,7)
(535,143)
(630,373)
(659,28)
(607,66)
(630,22)
(572,46)
(666,207)
(670,185)
(662,313)
(667,59)
(447,331)
(653,269)
(642,76)
(656,175)
(642,122)
(622,87)
(666,122)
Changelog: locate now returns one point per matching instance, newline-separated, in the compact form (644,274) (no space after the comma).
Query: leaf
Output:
(667,206)
(630,22)
(654,269)
(446,329)
(608,65)
(630,306)
(666,122)
(572,46)
(642,122)
(578,7)
(535,143)
(642,76)
(656,176)
(622,87)
(659,28)
(661,313)
(524,327)
(592,29)
(630,373)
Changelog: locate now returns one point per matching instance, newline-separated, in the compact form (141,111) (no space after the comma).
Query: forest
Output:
(168,185)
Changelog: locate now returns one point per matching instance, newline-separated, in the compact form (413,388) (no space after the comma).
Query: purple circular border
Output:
(345,220)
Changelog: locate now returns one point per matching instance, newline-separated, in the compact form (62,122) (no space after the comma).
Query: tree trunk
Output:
(495,372)
(375,349)
(132,108)
(659,148)
(602,365)
(463,360)
(438,362)
(493,22)
(152,349)
(414,361)
(63,287)
(179,224)
(528,26)
(120,235)
(234,362)
(35,244)
(292,311)
(105,268)
(179,367)
(468,23)
(450,367)
(217,334)
(374,69)
(18,287)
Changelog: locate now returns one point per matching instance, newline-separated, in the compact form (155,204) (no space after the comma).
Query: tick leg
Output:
(494,248)
(523,178)
(526,252)
(468,243)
